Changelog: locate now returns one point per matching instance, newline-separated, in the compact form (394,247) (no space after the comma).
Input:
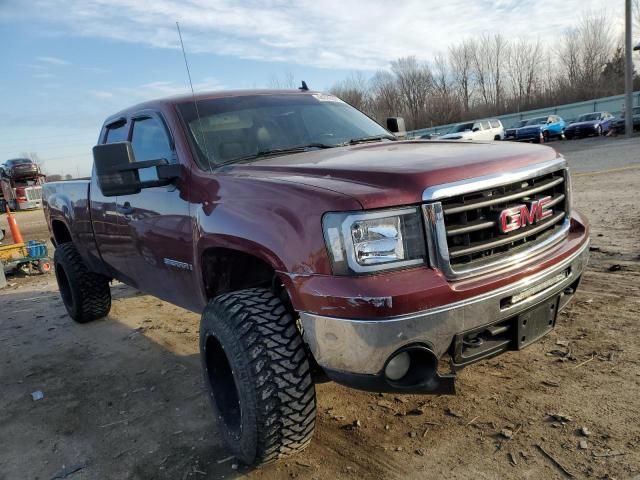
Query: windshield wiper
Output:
(276,151)
(373,138)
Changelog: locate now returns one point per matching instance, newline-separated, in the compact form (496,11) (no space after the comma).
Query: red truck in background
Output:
(317,246)
(20,184)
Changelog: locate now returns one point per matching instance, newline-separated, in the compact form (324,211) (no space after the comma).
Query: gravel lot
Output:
(123,397)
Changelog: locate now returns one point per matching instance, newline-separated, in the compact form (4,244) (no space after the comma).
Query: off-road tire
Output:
(258,376)
(86,295)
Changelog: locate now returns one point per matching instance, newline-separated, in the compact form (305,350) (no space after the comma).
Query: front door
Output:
(158,251)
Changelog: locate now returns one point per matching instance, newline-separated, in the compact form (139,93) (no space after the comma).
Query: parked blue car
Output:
(541,129)
(510,133)
(596,123)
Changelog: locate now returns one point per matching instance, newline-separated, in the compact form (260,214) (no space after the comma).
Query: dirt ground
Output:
(123,397)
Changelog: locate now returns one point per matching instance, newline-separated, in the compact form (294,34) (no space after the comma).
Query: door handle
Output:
(125,209)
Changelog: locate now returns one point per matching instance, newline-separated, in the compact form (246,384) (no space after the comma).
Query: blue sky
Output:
(67,64)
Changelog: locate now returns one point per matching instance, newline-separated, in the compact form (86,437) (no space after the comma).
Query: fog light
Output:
(398,366)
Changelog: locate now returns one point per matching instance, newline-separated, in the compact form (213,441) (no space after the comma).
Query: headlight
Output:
(363,242)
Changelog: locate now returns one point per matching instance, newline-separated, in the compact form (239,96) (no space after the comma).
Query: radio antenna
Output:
(193,95)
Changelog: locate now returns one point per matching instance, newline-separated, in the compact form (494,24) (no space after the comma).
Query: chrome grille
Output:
(463,231)
(34,193)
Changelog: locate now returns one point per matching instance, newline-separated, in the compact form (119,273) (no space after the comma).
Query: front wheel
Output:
(545,137)
(258,376)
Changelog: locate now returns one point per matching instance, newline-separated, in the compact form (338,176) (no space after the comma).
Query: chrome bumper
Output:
(363,346)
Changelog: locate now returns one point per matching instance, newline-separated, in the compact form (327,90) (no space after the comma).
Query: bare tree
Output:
(487,65)
(523,67)
(461,60)
(414,82)
(443,105)
(287,80)
(583,54)
(385,96)
(354,91)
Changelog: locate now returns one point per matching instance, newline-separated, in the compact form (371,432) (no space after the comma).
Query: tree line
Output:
(493,75)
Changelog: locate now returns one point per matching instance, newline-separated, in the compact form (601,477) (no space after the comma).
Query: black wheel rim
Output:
(64,286)
(223,385)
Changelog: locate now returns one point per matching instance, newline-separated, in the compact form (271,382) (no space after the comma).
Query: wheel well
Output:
(60,232)
(225,270)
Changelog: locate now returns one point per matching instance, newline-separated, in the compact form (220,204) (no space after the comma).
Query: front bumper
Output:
(355,352)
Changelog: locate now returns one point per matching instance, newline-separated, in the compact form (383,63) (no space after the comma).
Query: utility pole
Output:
(628,73)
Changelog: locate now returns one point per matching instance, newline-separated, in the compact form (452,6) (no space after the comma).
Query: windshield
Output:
(463,127)
(587,117)
(19,161)
(537,121)
(239,128)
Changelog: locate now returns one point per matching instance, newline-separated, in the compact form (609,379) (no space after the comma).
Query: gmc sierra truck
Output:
(317,247)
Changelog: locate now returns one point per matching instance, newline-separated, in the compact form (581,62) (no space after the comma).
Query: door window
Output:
(495,123)
(150,142)
(117,133)
(485,125)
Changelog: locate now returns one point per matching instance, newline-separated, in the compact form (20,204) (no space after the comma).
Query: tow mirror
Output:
(396,126)
(119,173)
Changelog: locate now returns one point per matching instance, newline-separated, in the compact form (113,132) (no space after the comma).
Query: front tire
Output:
(258,376)
(86,295)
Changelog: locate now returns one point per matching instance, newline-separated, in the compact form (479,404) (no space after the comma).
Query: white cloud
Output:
(347,34)
(119,98)
(43,75)
(101,94)
(32,66)
(53,61)
(98,70)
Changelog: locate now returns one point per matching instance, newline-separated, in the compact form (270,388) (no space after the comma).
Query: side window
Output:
(485,125)
(495,123)
(117,133)
(149,140)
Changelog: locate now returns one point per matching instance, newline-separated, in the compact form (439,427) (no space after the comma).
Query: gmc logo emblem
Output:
(519,217)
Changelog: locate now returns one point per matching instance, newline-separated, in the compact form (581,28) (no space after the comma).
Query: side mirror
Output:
(118,171)
(396,125)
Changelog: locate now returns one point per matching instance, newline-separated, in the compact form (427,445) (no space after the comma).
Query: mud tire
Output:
(86,295)
(258,376)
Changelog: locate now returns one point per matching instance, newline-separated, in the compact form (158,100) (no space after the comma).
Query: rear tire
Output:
(258,376)
(86,295)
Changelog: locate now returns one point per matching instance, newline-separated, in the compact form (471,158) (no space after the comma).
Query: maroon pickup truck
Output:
(317,246)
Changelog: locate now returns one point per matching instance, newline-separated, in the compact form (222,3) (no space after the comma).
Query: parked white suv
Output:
(490,129)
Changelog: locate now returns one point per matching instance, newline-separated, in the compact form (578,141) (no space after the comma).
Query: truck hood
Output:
(394,173)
